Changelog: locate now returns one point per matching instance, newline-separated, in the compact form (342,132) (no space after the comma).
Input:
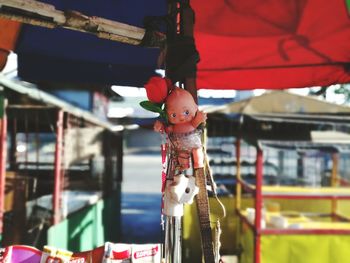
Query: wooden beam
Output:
(46,15)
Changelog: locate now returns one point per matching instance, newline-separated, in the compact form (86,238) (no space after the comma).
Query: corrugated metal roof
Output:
(33,92)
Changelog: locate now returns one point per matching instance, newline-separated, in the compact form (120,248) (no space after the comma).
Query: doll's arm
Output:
(199,118)
(158,126)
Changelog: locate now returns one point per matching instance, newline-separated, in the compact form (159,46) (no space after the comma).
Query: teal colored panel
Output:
(78,232)
(88,228)
(111,218)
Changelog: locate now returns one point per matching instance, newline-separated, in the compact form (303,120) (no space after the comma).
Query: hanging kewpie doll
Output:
(180,120)
(183,119)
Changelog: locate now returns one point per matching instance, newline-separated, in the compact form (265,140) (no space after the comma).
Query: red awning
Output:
(272,44)
(243,44)
(9,31)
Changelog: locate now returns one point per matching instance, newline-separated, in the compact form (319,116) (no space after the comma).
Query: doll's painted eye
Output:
(173,115)
(186,112)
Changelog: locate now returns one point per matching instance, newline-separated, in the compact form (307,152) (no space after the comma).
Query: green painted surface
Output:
(89,227)
(348,5)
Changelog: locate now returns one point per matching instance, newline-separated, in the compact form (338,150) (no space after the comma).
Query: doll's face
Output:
(180,106)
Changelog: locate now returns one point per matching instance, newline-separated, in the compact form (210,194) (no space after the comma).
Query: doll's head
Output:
(180,106)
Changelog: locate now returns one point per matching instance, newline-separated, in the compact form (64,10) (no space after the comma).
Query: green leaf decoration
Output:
(150,106)
(154,107)
(164,117)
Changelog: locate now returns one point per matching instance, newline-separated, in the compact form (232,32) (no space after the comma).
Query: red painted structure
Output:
(58,169)
(3,153)
(259,195)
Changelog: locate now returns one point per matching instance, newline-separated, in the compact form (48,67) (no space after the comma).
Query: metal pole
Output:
(258,204)
(238,174)
(173,212)
(120,153)
(238,189)
(334,175)
(334,180)
(27,140)
(13,145)
(3,153)
(173,224)
(181,36)
(173,239)
(58,161)
(37,139)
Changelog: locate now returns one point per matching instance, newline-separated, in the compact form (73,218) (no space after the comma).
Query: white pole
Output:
(173,239)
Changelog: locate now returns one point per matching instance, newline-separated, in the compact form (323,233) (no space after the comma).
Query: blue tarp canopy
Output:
(62,55)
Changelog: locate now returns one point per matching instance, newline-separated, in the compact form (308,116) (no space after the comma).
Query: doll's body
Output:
(180,121)
(184,119)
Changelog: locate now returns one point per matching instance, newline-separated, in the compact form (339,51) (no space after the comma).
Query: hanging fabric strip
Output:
(203,216)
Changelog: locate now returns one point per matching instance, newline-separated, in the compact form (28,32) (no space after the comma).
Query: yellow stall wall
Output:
(235,235)
(305,248)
